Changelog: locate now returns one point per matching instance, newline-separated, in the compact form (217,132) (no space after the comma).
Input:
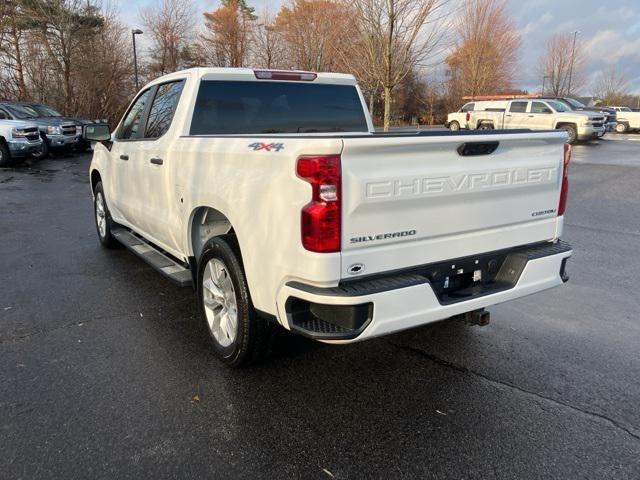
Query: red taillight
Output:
(321,217)
(468,116)
(562,205)
(285,75)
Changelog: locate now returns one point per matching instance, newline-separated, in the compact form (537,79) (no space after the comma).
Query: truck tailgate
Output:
(414,200)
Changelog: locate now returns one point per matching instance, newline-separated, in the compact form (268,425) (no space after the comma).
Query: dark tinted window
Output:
(276,107)
(162,109)
(468,107)
(131,123)
(518,107)
(539,107)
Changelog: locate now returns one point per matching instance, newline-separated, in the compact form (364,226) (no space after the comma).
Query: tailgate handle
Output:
(471,149)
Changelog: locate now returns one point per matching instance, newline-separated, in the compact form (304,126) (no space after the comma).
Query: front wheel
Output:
(621,128)
(44,151)
(454,126)
(572,133)
(104,224)
(238,336)
(5,158)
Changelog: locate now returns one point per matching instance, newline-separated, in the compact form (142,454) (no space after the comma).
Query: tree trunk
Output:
(387,108)
(22,86)
(372,99)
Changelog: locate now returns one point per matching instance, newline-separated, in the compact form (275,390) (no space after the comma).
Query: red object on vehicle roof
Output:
(506,96)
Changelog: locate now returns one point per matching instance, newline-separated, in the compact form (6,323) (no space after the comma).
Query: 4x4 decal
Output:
(267,146)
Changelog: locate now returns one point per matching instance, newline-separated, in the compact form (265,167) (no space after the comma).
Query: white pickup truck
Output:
(18,140)
(627,120)
(270,193)
(538,114)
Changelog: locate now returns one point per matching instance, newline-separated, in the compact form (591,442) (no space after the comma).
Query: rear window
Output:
(276,107)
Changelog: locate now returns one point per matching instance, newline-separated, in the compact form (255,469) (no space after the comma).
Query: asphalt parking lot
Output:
(106,372)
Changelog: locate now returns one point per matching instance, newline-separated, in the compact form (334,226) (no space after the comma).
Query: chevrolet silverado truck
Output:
(271,193)
(627,120)
(537,115)
(57,134)
(18,140)
(45,111)
(608,113)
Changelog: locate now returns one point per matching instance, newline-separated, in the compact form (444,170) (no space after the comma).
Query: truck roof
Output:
(250,74)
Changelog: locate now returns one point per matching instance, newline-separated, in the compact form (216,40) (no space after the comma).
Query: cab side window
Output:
(162,109)
(539,107)
(518,107)
(131,123)
(468,107)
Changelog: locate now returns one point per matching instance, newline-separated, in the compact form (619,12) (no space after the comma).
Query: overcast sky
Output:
(609,31)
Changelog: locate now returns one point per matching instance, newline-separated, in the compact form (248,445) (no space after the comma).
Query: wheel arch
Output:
(564,124)
(95,178)
(205,223)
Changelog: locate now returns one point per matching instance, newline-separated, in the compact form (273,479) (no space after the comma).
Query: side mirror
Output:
(547,110)
(96,132)
(3,116)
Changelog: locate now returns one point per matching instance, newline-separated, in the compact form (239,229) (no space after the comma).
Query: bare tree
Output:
(267,46)
(170,25)
(611,87)
(562,67)
(486,49)
(62,27)
(399,36)
(104,85)
(12,36)
(228,33)
(313,30)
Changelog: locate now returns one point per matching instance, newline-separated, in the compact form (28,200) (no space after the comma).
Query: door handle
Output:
(157,161)
(507,115)
(531,116)
(124,157)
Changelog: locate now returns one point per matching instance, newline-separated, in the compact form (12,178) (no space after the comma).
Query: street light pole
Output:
(573,56)
(135,32)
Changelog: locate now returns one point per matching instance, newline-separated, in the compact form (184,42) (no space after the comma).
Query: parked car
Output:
(18,140)
(535,115)
(628,120)
(609,114)
(57,133)
(45,111)
(458,120)
(271,193)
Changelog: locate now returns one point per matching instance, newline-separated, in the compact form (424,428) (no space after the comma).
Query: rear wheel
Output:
(454,126)
(572,133)
(238,336)
(622,128)
(5,158)
(485,126)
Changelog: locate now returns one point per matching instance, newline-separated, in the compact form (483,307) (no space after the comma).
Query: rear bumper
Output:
(360,310)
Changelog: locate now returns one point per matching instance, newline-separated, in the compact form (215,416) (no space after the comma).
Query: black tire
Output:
(107,240)
(622,128)
(5,156)
(572,133)
(254,335)
(485,126)
(44,151)
(454,126)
